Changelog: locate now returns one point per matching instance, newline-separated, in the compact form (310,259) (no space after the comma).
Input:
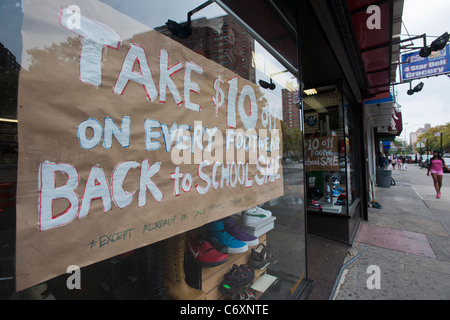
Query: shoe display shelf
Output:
(330,207)
(211,278)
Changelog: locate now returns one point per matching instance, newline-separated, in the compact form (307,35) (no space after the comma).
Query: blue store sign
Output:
(414,66)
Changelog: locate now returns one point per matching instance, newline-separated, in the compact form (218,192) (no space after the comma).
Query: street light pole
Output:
(406,126)
(404,140)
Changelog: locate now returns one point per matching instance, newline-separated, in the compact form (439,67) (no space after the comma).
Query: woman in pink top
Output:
(435,167)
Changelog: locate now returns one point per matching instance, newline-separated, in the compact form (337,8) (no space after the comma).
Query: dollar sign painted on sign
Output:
(219,98)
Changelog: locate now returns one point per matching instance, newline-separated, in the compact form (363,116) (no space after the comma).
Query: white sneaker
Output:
(255,215)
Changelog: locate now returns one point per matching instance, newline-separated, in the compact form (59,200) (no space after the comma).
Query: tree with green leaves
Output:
(434,141)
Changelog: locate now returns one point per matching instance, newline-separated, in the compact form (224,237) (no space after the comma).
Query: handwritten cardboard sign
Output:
(126,142)
(322,154)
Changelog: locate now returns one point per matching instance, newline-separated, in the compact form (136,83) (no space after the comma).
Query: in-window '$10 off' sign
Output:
(322,154)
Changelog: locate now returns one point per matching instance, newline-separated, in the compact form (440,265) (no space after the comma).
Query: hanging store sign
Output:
(413,66)
(126,142)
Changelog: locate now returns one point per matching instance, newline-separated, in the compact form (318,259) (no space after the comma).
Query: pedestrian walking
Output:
(394,162)
(435,167)
(399,163)
(381,160)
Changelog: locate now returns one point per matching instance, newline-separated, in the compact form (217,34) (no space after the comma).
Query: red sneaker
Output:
(203,252)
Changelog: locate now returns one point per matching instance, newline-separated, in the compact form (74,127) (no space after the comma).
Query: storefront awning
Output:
(379,54)
(396,127)
(384,113)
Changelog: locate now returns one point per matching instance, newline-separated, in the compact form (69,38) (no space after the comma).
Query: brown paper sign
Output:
(322,154)
(126,142)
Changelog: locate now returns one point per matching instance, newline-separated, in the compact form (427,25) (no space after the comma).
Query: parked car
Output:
(447,162)
(425,160)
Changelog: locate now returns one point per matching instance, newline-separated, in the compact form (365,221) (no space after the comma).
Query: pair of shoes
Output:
(237,279)
(335,193)
(218,246)
(246,294)
(227,233)
(255,215)
(233,229)
(202,252)
(342,196)
(261,257)
(438,195)
(314,206)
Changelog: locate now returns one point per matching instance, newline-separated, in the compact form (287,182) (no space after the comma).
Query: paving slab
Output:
(395,239)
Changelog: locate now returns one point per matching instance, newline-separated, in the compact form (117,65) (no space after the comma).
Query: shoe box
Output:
(331,208)
(256,229)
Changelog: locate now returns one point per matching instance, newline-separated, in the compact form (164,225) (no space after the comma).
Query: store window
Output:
(330,159)
(135,154)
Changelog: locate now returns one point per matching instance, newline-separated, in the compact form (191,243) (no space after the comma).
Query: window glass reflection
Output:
(132,35)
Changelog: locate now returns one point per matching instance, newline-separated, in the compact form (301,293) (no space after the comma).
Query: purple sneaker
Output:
(233,229)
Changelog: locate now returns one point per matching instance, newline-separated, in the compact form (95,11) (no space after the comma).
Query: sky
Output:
(432,104)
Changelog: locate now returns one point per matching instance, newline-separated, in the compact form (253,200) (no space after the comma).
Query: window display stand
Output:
(327,203)
(330,207)
(328,219)
(211,278)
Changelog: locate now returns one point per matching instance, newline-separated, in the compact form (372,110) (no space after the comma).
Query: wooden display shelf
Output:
(212,277)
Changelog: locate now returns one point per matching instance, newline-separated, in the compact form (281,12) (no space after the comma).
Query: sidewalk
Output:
(408,239)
